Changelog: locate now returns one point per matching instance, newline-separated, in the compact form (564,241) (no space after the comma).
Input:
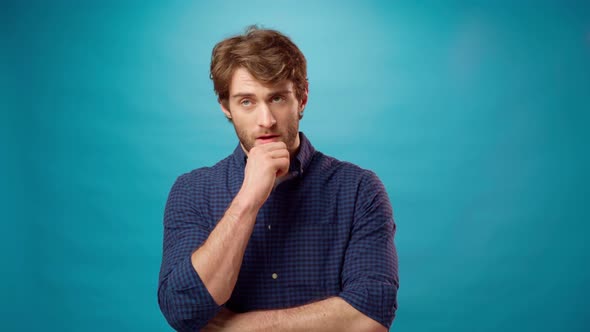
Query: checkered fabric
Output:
(327,231)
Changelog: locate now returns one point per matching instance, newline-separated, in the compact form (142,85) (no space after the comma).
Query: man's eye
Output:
(245,102)
(277,99)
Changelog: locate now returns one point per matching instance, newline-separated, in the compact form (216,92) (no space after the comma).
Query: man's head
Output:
(260,79)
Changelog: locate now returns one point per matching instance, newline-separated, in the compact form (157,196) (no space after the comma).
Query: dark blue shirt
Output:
(326,231)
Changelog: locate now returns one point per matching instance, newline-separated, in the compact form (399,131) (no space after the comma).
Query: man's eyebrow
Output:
(272,93)
(242,94)
(280,92)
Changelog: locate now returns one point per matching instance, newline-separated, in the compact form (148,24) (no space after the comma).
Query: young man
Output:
(277,236)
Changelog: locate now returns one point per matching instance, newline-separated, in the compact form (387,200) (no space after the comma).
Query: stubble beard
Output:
(249,142)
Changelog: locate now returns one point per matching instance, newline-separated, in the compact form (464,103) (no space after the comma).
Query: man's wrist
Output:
(246,202)
(244,205)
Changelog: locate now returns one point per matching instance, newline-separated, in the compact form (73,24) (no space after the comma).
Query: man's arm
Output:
(333,314)
(196,279)
(219,259)
(370,272)
(368,300)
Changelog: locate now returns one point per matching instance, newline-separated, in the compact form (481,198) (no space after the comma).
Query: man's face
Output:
(263,113)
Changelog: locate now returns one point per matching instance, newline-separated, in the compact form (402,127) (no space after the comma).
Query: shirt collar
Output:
(297,166)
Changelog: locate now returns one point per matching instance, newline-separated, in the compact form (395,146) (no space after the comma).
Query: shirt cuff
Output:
(193,300)
(377,301)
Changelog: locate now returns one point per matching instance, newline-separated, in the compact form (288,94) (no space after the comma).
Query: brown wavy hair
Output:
(268,55)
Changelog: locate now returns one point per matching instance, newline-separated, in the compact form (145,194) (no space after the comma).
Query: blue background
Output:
(473,114)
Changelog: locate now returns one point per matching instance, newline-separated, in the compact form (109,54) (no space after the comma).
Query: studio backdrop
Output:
(474,116)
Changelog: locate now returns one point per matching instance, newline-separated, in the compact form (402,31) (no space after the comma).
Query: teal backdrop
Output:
(473,114)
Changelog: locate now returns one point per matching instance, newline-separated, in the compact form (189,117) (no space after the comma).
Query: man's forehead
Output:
(243,81)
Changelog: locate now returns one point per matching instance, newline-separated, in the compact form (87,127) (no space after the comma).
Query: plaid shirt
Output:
(326,231)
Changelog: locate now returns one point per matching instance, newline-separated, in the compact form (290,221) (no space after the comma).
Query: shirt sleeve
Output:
(184,300)
(370,271)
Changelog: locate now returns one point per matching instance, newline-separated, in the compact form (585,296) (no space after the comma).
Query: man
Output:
(277,236)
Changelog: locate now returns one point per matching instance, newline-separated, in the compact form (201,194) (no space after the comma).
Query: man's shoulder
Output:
(202,176)
(332,166)
(347,178)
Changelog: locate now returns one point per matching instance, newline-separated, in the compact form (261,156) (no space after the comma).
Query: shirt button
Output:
(274,275)
(269,227)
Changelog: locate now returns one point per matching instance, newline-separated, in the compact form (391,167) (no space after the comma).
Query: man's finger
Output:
(273,146)
(281,153)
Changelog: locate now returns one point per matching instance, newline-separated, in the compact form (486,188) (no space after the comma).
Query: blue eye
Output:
(277,99)
(245,102)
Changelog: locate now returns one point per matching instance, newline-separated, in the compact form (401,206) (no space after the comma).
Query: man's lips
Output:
(267,138)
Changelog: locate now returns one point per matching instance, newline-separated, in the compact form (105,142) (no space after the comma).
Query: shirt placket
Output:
(271,273)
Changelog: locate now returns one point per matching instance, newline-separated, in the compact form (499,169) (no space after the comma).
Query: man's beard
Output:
(289,139)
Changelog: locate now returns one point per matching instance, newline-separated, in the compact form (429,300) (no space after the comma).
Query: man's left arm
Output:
(333,314)
(370,273)
(368,300)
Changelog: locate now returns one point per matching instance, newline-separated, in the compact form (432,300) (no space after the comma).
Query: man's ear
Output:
(225,110)
(303,102)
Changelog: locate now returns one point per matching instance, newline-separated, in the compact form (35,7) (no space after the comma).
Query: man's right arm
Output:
(195,283)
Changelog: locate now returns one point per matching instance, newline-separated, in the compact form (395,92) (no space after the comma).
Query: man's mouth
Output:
(267,138)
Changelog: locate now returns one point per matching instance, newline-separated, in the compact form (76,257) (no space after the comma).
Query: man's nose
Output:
(265,117)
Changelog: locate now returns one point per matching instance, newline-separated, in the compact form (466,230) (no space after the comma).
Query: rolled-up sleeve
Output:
(184,300)
(370,272)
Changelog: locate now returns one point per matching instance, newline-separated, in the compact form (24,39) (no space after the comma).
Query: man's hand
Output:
(265,164)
